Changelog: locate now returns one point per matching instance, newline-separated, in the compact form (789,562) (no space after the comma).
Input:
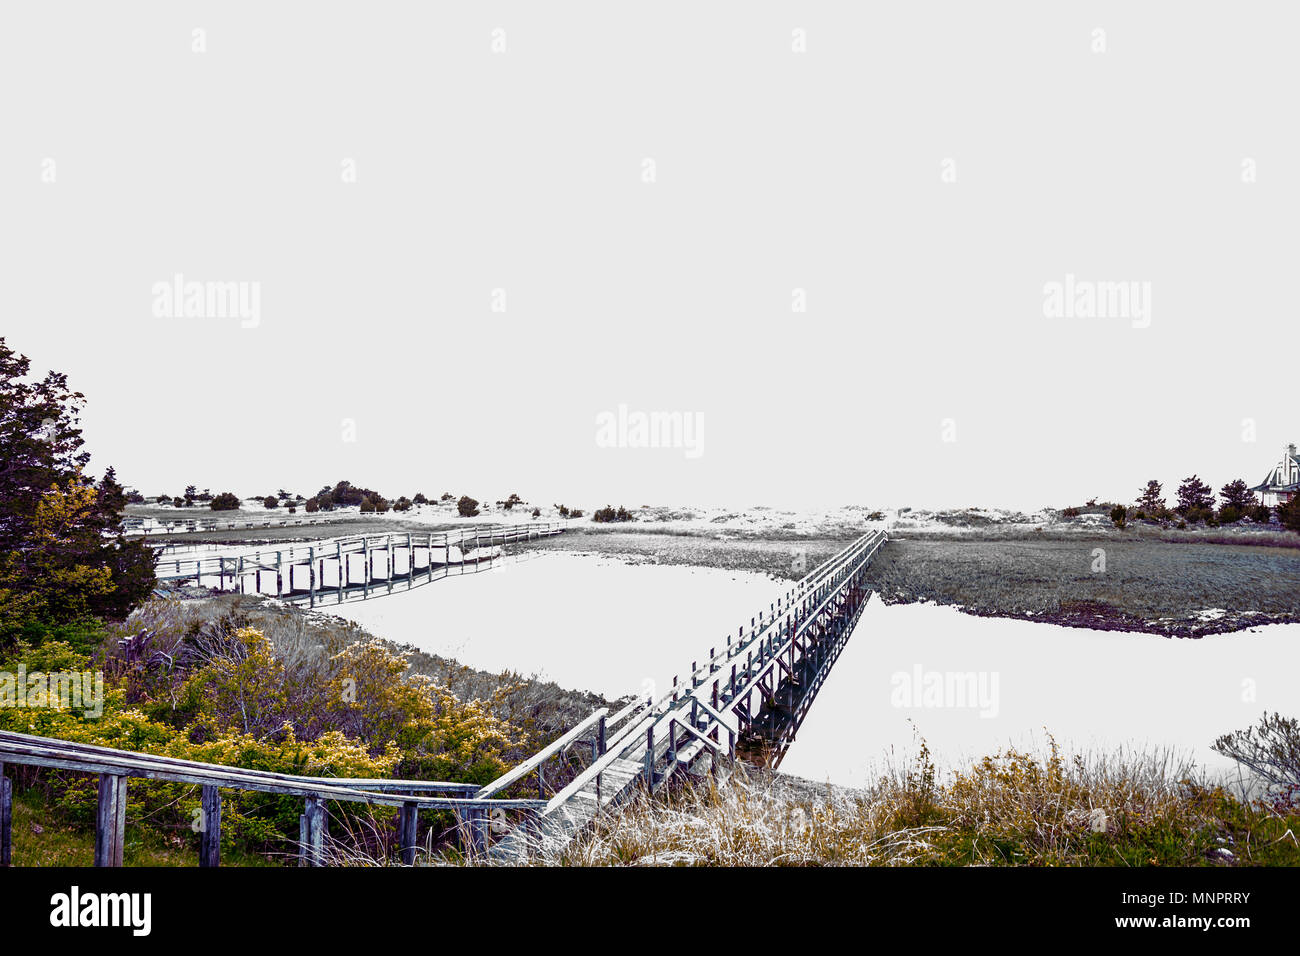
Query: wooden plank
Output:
(110,820)
(408,829)
(6,818)
(311,830)
(210,835)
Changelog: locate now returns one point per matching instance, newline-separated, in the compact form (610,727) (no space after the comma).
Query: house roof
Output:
(1267,483)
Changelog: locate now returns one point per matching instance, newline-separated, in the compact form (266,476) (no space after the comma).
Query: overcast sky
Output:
(472,229)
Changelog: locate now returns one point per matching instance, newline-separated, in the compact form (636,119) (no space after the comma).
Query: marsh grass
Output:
(1013,808)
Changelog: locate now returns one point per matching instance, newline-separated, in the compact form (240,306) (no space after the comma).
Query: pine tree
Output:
(1236,494)
(63,556)
(1194,495)
(1152,501)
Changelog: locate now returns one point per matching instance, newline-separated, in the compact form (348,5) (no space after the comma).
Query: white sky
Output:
(775,170)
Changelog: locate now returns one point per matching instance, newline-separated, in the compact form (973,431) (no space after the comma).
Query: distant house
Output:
(1283,481)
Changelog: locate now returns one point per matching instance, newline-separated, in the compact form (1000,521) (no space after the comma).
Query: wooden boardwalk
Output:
(747,699)
(351,568)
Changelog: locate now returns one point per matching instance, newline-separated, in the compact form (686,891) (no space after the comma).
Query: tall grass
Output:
(1011,808)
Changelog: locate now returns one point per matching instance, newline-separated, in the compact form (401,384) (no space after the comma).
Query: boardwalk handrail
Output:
(597,720)
(114,767)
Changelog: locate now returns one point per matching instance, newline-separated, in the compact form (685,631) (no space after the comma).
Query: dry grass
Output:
(1013,808)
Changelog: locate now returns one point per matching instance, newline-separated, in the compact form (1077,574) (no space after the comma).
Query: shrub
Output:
(1119,515)
(226,501)
(1289,514)
(270,501)
(419,499)
(608,514)
(312,506)
(1070,513)
(1271,749)
(179,502)
(1199,514)
(1261,513)
(467,507)
(576,513)
(563,510)
(402,504)
(537,512)
(1229,514)
(163,500)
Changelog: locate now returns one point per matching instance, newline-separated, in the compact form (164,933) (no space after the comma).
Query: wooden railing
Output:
(358,564)
(473,805)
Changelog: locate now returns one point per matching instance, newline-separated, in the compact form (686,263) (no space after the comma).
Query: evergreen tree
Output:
(1236,494)
(1152,500)
(1194,495)
(63,556)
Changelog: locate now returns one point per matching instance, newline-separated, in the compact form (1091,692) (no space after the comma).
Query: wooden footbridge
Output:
(351,568)
(746,699)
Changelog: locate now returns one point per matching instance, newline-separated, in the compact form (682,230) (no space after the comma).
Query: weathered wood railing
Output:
(116,767)
(355,567)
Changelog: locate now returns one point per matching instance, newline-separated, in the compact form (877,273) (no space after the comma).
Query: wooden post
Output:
(6,818)
(410,561)
(650,758)
(365,549)
(475,839)
(210,836)
(343,568)
(110,820)
(311,833)
(311,576)
(408,828)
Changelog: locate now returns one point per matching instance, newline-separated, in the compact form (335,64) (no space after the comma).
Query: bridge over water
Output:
(745,699)
(356,567)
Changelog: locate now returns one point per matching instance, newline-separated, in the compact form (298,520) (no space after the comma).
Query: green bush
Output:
(1119,515)
(270,501)
(226,501)
(1289,514)
(608,514)
(466,507)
